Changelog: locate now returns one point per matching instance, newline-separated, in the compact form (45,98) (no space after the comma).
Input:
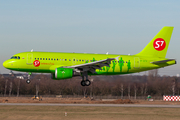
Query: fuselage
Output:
(47,62)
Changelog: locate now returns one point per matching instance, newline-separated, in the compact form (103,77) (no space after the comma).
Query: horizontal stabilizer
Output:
(162,61)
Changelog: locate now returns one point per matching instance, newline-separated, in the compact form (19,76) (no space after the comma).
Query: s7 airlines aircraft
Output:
(67,65)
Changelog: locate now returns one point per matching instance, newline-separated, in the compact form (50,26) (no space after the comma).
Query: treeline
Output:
(129,85)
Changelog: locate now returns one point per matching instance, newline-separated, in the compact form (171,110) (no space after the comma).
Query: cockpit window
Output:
(15,57)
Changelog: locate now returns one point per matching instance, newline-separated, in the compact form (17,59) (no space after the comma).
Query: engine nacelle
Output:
(63,73)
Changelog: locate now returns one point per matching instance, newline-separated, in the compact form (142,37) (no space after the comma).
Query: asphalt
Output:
(92,105)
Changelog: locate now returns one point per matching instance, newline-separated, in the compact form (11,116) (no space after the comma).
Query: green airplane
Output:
(68,65)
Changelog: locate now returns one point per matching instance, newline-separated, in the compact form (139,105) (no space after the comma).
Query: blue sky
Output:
(117,27)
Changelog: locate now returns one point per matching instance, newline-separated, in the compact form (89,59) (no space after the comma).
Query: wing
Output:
(92,66)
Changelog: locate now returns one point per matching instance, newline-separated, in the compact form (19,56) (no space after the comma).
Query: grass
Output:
(86,113)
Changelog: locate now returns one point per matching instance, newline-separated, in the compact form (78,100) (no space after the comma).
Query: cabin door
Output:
(136,63)
(29,59)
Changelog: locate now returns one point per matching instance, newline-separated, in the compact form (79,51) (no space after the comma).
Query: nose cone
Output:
(5,64)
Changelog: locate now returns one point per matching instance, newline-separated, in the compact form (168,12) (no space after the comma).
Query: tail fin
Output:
(158,46)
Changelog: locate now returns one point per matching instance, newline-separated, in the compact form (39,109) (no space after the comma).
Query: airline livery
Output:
(67,65)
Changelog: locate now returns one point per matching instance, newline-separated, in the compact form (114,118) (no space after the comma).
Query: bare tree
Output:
(129,91)
(18,87)
(174,85)
(142,89)
(145,89)
(37,86)
(135,91)
(122,89)
(5,87)
(10,88)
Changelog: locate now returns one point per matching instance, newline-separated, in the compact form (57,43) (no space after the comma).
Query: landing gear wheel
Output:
(28,81)
(83,83)
(87,82)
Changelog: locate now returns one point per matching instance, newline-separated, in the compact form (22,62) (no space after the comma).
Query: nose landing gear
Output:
(29,77)
(28,81)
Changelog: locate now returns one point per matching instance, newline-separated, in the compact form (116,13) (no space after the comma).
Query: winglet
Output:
(117,58)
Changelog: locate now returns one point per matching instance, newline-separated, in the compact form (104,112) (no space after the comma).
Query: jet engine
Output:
(64,73)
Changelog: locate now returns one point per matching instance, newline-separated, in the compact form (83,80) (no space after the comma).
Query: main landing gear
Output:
(85,82)
(29,77)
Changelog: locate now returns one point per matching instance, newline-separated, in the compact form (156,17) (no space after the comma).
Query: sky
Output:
(82,26)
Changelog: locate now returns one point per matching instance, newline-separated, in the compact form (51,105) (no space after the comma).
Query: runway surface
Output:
(92,105)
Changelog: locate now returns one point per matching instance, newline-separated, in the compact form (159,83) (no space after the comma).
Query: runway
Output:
(91,105)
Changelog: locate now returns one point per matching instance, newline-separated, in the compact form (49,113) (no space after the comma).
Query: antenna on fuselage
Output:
(107,53)
(32,50)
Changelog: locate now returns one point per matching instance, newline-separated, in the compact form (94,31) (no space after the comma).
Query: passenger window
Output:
(18,57)
(65,59)
(82,60)
(43,58)
(57,59)
(60,59)
(40,58)
(46,58)
(74,60)
(51,58)
(54,59)
(69,59)
(79,59)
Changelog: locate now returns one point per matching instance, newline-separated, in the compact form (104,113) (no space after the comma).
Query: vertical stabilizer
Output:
(158,46)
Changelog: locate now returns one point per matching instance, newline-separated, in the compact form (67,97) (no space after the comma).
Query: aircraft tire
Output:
(87,82)
(83,83)
(28,81)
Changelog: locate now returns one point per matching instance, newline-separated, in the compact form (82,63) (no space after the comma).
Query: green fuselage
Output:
(49,61)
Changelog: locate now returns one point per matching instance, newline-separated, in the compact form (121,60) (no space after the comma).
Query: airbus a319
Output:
(67,65)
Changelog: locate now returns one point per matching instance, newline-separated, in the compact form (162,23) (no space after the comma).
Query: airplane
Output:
(67,65)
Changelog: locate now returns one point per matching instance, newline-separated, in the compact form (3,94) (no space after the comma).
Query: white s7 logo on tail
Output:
(157,43)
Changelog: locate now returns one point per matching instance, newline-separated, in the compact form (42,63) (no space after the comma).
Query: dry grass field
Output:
(86,113)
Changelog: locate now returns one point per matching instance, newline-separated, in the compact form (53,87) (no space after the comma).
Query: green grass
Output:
(86,113)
